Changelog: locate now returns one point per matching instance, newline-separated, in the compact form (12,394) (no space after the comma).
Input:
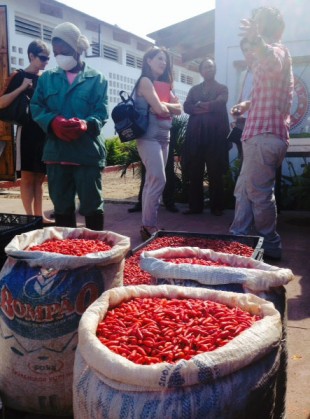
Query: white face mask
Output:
(66,62)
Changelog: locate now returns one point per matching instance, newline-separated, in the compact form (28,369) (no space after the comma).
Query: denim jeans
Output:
(254,191)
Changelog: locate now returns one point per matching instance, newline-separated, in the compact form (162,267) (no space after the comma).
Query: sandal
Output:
(147,233)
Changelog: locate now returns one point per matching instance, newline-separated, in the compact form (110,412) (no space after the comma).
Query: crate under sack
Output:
(13,224)
(43,296)
(253,275)
(227,243)
(236,380)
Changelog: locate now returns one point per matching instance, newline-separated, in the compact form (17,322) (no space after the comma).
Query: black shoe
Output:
(190,212)
(136,208)
(171,208)
(217,212)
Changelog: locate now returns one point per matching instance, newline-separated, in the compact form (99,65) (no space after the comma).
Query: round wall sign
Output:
(300,104)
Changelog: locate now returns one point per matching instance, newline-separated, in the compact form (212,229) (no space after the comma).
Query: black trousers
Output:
(196,170)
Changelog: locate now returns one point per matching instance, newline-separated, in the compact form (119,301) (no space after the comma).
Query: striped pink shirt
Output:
(272,94)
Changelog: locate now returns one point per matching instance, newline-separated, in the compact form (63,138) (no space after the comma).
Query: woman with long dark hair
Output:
(154,95)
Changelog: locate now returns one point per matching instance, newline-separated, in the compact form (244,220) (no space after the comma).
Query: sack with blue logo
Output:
(236,380)
(43,296)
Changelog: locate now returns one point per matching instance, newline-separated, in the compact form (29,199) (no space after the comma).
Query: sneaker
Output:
(136,208)
(147,233)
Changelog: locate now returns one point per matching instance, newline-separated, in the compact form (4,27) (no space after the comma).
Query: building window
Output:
(94,50)
(139,62)
(92,26)
(110,53)
(133,61)
(189,80)
(186,79)
(51,10)
(142,46)
(30,28)
(27,27)
(130,60)
(47,33)
(121,37)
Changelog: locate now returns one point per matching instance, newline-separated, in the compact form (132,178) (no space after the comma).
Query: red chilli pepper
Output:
(74,247)
(204,326)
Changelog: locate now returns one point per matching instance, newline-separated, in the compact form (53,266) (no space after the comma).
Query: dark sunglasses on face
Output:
(43,58)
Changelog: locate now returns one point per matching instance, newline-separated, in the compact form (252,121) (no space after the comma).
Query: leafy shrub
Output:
(295,189)
(117,152)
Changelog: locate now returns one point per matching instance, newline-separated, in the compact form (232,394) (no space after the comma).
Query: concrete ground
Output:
(294,228)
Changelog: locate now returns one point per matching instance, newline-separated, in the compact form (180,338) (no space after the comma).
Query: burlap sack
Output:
(255,276)
(227,382)
(43,296)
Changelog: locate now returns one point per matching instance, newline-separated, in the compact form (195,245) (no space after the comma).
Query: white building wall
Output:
(119,75)
(296,37)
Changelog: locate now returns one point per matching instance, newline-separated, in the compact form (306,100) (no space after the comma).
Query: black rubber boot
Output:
(67,220)
(95,222)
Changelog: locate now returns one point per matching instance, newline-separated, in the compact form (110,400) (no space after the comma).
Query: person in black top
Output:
(29,137)
(206,142)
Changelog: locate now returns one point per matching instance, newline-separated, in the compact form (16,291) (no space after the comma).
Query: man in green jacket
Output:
(70,105)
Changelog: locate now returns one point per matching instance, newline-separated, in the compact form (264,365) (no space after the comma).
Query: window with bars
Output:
(189,80)
(33,29)
(47,33)
(133,61)
(51,10)
(95,49)
(186,79)
(27,27)
(110,53)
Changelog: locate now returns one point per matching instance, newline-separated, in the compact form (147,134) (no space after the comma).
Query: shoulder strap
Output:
(8,81)
(135,86)
(133,90)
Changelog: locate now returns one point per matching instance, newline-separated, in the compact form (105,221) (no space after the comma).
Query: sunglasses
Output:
(43,58)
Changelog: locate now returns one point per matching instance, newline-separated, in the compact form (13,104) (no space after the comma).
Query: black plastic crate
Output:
(255,242)
(12,225)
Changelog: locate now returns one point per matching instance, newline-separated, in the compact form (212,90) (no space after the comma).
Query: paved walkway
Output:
(294,228)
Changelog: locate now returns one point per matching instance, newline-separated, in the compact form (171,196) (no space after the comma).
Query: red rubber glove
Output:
(74,128)
(68,129)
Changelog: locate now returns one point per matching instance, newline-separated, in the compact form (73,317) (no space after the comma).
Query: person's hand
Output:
(68,129)
(165,113)
(76,128)
(26,84)
(249,30)
(240,108)
(235,111)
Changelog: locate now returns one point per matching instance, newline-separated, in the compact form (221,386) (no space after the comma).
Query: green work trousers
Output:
(67,181)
